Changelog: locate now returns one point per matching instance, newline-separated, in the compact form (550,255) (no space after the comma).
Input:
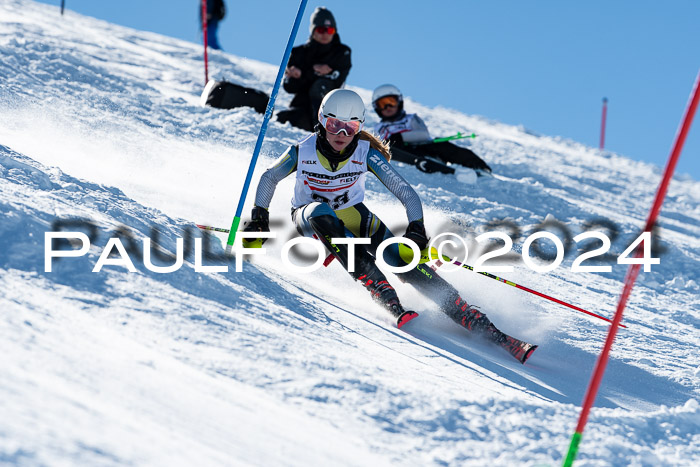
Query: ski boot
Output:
(383,293)
(328,227)
(520,350)
(472,319)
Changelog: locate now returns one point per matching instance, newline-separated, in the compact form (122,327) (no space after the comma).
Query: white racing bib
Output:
(340,189)
(411,128)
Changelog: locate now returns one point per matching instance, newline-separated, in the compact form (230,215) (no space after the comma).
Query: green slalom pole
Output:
(573,449)
(263,128)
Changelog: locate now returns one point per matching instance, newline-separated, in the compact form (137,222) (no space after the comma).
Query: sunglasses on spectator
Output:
(325,30)
(335,126)
(387,101)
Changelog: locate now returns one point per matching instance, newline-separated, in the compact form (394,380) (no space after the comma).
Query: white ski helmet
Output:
(343,104)
(386,90)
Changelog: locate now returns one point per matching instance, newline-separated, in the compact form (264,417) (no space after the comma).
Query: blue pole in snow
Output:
(263,128)
(63,5)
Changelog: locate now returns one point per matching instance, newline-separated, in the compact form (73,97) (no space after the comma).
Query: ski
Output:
(520,350)
(405,317)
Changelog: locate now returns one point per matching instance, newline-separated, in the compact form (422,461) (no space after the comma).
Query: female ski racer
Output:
(330,166)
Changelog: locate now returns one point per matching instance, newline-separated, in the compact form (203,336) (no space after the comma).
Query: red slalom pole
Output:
(204,29)
(439,263)
(602,123)
(632,273)
(526,289)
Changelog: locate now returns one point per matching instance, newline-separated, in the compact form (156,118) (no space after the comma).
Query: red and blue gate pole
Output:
(632,273)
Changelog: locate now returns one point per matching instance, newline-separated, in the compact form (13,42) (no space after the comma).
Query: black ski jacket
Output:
(336,55)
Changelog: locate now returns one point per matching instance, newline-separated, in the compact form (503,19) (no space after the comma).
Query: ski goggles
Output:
(335,126)
(324,30)
(386,101)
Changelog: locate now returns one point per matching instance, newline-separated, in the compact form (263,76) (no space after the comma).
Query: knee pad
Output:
(327,225)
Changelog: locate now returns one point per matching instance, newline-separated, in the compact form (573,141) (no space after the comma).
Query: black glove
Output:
(259,222)
(416,232)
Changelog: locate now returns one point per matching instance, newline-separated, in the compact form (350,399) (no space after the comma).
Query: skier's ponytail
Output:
(376,143)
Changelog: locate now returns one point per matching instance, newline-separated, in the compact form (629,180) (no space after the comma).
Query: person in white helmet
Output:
(330,167)
(410,139)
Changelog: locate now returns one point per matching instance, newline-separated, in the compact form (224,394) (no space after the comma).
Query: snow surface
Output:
(265,367)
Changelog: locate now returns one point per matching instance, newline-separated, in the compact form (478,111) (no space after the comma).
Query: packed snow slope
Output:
(101,124)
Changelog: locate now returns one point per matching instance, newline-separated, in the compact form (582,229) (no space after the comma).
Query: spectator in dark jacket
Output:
(315,69)
(216,10)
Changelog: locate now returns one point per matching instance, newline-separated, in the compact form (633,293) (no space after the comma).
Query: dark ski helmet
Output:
(387,90)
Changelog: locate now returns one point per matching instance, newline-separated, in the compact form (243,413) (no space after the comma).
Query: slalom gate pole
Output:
(263,127)
(204,31)
(526,289)
(602,122)
(632,273)
(63,6)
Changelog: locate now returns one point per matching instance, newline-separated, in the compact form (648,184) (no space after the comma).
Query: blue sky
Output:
(545,65)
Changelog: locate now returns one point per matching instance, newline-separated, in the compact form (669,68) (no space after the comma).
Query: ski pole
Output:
(518,286)
(432,255)
(429,255)
(63,6)
(447,138)
(263,128)
(215,229)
